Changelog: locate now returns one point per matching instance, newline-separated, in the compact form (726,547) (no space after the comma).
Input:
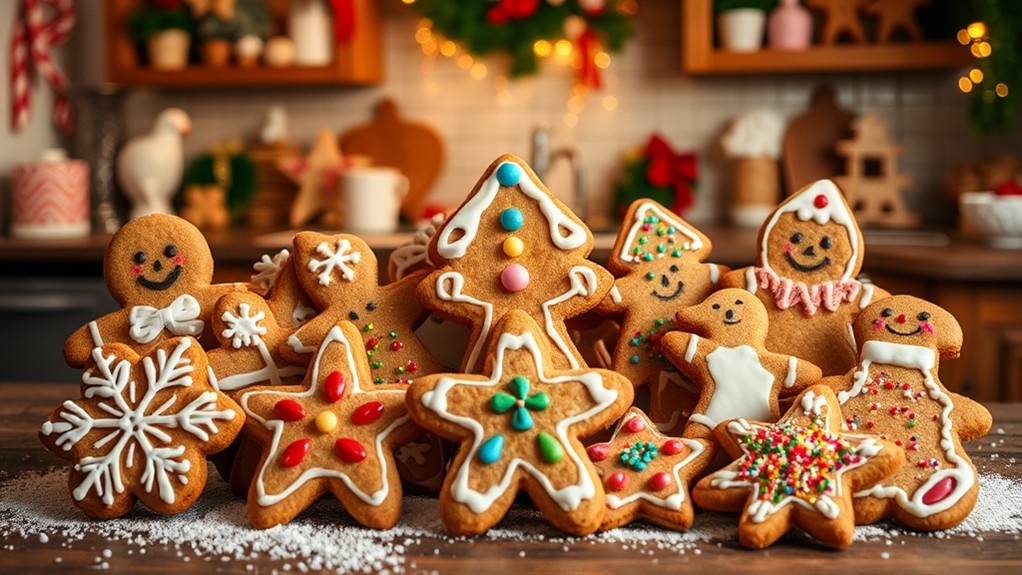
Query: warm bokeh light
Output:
(1002,90)
(976,75)
(408,1)
(465,61)
(478,71)
(448,48)
(965,84)
(429,47)
(542,48)
(602,60)
(984,49)
(963,37)
(580,91)
(977,30)
(576,104)
(571,120)
(423,35)
(609,103)
(563,48)
(629,7)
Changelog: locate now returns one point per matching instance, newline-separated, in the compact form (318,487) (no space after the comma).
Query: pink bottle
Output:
(790,27)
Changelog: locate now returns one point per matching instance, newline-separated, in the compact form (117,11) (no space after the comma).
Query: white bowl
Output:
(997,218)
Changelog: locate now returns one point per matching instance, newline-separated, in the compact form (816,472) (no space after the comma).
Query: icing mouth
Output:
(668,297)
(732,321)
(804,268)
(160,285)
(918,330)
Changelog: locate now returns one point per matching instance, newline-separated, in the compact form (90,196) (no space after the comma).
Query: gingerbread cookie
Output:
(158,268)
(142,429)
(339,274)
(334,433)
(518,427)
(895,392)
(810,251)
(646,475)
(276,279)
(513,245)
(725,355)
(413,255)
(799,472)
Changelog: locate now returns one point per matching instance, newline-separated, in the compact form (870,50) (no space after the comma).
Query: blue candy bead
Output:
(511,219)
(489,452)
(508,174)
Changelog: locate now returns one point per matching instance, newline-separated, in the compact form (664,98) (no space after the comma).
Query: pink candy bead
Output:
(514,278)
(635,424)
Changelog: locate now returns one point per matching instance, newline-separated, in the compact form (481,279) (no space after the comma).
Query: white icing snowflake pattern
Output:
(244,329)
(338,259)
(267,269)
(134,426)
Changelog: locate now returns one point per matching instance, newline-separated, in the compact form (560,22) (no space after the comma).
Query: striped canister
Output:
(50,198)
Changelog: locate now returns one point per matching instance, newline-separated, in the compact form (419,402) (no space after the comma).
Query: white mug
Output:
(372,198)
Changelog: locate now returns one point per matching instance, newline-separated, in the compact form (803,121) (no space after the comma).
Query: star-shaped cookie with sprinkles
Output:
(799,472)
(335,433)
(518,427)
(646,474)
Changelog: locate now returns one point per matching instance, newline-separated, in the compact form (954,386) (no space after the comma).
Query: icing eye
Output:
(888,312)
(170,251)
(738,302)
(826,243)
(371,306)
(716,306)
(139,257)
(796,237)
(352,316)
(674,269)
(923,316)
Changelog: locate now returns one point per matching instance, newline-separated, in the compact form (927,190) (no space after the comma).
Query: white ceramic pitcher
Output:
(372,198)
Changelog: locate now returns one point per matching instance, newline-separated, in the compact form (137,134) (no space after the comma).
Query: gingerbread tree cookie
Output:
(895,392)
(799,472)
(519,427)
(158,268)
(339,274)
(142,429)
(810,251)
(513,245)
(727,358)
(646,474)
(334,433)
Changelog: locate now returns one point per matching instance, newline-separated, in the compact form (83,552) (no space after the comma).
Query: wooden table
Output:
(23,407)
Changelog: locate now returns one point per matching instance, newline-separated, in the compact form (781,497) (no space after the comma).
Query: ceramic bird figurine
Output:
(150,166)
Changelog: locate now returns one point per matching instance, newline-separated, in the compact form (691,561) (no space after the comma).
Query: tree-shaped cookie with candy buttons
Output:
(513,245)
(895,392)
(810,251)
(159,269)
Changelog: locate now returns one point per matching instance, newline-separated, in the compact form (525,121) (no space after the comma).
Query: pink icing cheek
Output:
(879,324)
(179,260)
(926,327)
(788,248)
(136,270)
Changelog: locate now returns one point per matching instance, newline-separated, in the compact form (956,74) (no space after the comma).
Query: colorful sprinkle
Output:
(639,454)
(349,450)
(549,447)
(513,247)
(367,413)
(295,453)
(333,388)
(511,219)
(490,450)
(617,481)
(289,410)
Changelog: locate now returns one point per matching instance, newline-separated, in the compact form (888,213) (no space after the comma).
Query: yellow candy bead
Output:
(326,422)
(513,247)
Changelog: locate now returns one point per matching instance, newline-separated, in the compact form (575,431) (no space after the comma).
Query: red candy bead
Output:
(349,450)
(660,480)
(412,366)
(672,447)
(394,346)
(635,424)
(334,386)
(820,201)
(372,343)
(367,413)
(289,410)
(295,453)
(617,481)
(940,491)
(598,451)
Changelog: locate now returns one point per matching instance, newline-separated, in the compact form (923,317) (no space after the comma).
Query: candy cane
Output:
(30,48)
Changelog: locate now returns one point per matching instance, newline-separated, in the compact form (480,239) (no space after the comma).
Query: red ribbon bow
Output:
(668,168)
(344,20)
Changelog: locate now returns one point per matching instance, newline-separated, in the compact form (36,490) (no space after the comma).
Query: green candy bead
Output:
(549,447)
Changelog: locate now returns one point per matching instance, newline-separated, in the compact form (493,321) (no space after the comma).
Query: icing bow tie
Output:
(179,318)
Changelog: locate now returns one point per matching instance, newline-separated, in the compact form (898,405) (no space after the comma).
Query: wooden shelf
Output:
(700,55)
(358,63)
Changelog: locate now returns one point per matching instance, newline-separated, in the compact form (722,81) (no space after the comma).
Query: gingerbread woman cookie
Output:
(727,358)
(646,475)
(158,268)
(895,392)
(276,279)
(142,429)
(513,245)
(519,426)
(799,472)
(334,433)
(339,274)
(810,251)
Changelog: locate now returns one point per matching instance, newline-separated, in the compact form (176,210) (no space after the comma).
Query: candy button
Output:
(635,424)
(326,421)
(660,480)
(349,450)
(489,452)
(367,413)
(508,174)
(549,447)
(289,410)
(514,278)
(940,491)
(672,447)
(820,201)
(511,219)
(617,481)
(598,451)
(295,453)
(513,247)
(333,387)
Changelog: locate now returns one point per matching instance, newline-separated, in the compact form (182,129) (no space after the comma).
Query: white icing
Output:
(338,260)
(867,295)
(576,276)
(615,294)
(751,284)
(297,346)
(468,218)
(454,294)
(302,313)
(714,273)
(267,269)
(244,329)
(741,386)
(812,403)
(135,425)
(416,251)
(568,497)
(923,359)
(263,496)
(789,380)
(179,318)
(641,213)
(97,339)
(693,346)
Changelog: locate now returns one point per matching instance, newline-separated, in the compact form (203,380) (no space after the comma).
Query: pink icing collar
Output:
(787,293)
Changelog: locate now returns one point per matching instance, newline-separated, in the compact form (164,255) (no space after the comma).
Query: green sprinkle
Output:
(661,248)
(393,335)
(676,253)
(376,364)
(367,328)
(379,380)
(643,240)
(634,359)
(650,275)
(549,448)
(647,257)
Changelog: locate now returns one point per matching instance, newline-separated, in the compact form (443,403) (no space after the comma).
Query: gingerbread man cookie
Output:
(810,251)
(334,433)
(413,255)
(158,268)
(276,279)
(519,426)
(895,392)
(727,358)
(646,475)
(799,472)
(142,429)
(513,245)
(339,274)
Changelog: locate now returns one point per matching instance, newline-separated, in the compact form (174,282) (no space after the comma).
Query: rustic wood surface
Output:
(24,406)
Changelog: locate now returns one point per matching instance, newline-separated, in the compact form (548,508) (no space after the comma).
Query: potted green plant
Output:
(217,37)
(164,26)
(740,23)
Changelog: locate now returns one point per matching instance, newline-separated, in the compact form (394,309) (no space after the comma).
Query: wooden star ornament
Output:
(317,176)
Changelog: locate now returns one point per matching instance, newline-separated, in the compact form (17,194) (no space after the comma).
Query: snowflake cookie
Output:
(142,429)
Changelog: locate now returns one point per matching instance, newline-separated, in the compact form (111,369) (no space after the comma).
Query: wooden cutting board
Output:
(809,148)
(412,147)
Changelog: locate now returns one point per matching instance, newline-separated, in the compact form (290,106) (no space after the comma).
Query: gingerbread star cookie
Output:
(646,474)
(518,427)
(158,268)
(799,472)
(142,429)
(725,355)
(334,433)
(896,393)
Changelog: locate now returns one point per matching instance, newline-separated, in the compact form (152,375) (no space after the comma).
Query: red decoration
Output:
(669,168)
(289,410)
(511,10)
(588,46)
(635,425)
(672,447)
(820,201)
(32,38)
(367,413)
(1008,188)
(295,453)
(349,450)
(659,480)
(333,388)
(617,481)
(598,451)
(344,21)
(395,346)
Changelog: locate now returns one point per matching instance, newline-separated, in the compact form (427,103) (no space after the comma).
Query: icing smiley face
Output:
(729,316)
(807,251)
(174,265)
(911,321)
(664,291)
